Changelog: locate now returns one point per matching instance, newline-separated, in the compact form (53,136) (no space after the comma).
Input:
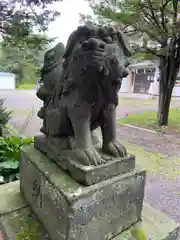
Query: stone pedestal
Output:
(17,221)
(71,211)
(65,158)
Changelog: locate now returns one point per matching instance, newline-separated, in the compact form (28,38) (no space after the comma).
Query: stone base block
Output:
(86,175)
(18,222)
(70,211)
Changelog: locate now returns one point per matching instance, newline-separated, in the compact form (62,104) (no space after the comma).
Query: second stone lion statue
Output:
(85,95)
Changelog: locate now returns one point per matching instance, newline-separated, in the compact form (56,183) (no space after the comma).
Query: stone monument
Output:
(81,187)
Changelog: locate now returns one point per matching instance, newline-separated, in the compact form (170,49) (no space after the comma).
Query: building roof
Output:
(144,64)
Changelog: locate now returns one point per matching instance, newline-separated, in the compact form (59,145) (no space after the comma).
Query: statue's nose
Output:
(93,44)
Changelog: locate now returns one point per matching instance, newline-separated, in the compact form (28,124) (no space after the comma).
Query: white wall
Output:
(126,84)
(7,82)
(176,91)
(154,87)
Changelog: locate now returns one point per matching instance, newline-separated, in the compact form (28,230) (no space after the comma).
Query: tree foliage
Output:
(154,28)
(152,22)
(19,20)
(23,42)
(24,61)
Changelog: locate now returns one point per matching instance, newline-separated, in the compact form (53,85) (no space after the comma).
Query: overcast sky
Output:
(69,19)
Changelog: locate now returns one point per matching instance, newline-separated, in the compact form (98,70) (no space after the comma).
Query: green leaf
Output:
(2,152)
(14,141)
(138,234)
(4,158)
(9,165)
(27,141)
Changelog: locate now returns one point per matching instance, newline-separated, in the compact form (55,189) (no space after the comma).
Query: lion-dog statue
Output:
(80,91)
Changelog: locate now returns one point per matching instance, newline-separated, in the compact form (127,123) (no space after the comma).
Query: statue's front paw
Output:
(115,149)
(88,156)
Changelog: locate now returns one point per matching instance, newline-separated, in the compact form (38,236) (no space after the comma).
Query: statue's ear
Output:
(60,49)
(122,44)
(70,43)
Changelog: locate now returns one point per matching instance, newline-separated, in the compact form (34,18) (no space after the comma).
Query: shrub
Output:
(5,115)
(10,149)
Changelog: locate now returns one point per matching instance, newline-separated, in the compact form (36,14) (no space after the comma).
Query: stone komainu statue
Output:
(80,93)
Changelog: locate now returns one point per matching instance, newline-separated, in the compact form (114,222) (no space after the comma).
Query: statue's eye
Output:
(108,39)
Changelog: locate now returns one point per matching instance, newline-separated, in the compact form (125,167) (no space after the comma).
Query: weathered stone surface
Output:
(86,175)
(83,96)
(22,224)
(10,199)
(155,225)
(71,211)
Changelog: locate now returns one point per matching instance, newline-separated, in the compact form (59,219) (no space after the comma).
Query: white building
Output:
(7,81)
(143,78)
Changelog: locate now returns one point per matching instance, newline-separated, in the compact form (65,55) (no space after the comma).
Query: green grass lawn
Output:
(27,86)
(148,119)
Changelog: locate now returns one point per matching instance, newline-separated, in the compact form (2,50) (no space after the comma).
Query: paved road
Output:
(25,105)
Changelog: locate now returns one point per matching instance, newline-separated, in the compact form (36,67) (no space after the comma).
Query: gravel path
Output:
(161,191)
(151,142)
(164,194)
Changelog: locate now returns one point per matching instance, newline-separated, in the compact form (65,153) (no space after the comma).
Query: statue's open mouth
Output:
(101,56)
(95,53)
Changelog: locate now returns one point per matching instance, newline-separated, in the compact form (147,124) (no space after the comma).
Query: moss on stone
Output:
(23,225)
(30,229)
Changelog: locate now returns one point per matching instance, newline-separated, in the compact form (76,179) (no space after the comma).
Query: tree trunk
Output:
(166,85)
(164,106)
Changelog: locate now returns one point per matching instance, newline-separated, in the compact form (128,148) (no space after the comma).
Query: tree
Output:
(20,19)
(23,42)
(25,62)
(157,24)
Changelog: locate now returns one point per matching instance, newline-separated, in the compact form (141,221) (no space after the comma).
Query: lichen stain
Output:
(31,229)
(157,163)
